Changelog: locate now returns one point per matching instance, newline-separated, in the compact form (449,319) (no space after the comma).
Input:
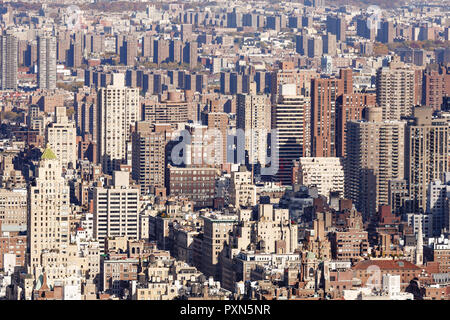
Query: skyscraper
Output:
(324,93)
(386,32)
(426,152)
(116,209)
(395,90)
(190,54)
(349,107)
(217,123)
(48,219)
(438,205)
(148,159)
(147,46)
(118,110)
(75,53)
(374,157)
(161,51)
(8,62)
(290,118)
(329,44)
(436,85)
(337,25)
(61,137)
(253,115)
(128,51)
(47,62)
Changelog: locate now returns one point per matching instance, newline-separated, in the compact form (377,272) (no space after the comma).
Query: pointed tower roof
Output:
(48,154)
(419,245)
(420,233)
(44,286)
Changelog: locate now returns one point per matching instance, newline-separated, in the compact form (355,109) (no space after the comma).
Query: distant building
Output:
(374,156)
(426,153)
(148,157)
(116,210)
(438,204)
(47,62)
(48,233)
(395,90)
(327,174)
(117,111)
(61,138)
(290,118)
(8,62)
(195,183)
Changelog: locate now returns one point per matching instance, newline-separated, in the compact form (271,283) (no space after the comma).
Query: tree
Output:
(70,112)
(11,116)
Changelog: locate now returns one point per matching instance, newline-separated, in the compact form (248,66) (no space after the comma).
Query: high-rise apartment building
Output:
(315,48)
(242,189)
(85,104)
(46,62)
(190,54)
(301,44)
(161,51)
(61,136)
(117,111)
(352,242)
(363,29)
(13,206)
(116,210)
(287,74)
(217,123)
(436,85)
(438,204)
(386,32)
(94,43)
(253,115)
(8,62)
(290,119)
(176,51)
(374,156)
(172,108)
(75,53)
(325,173)
(329,44)
(324,93)
(346,75)
(148,159)
(147,46)
(48,219)
(215,235)
(338,26)
(62,46)
(395,90)
(128,51)
(426,153)
(350,107)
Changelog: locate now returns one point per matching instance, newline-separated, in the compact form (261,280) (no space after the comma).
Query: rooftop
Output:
(386,265)
(48,154)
